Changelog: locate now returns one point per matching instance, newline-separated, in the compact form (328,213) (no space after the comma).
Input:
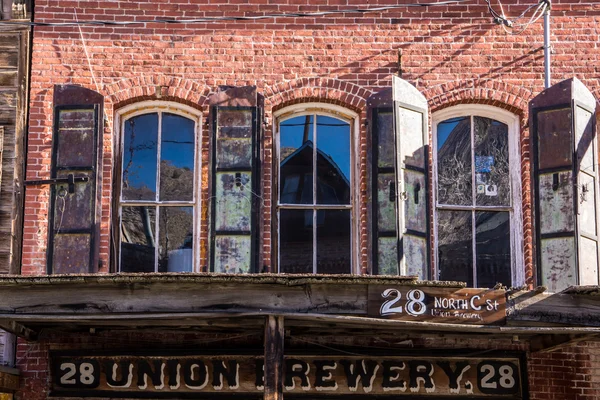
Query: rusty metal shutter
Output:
(412,154)
(565,185)
(236,115)
(74,216)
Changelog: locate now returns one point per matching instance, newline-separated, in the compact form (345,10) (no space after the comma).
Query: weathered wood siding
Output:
(14,65)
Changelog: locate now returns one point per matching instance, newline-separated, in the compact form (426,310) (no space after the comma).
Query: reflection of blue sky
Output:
(445,128)
(140,149)
(333,138)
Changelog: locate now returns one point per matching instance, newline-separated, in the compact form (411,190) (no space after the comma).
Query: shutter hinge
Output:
(70,180)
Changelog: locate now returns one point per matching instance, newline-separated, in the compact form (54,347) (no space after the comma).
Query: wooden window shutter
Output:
(74,216)
(565,185)
(236,123)
(410,112)
(380,112)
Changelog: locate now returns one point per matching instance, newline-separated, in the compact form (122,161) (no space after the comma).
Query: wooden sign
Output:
(437,304)
(8,382)
(190,376)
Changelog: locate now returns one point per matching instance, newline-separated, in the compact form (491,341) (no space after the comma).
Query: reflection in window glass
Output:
(138,227)
(473,174)
(314,171)
(176,158)
(455,249)
(491,162)
(333,242)
(166,244)
(492,237)
(454,161)
(176,239)
(139,157)
(296,241)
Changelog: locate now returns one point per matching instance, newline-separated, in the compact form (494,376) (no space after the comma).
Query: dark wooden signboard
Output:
(191,376)
(437,304)
(8,382)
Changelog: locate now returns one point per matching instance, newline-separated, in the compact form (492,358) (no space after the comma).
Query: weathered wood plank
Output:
(102,298)
(557,308)
(9,58)
(9,78)
(274,364)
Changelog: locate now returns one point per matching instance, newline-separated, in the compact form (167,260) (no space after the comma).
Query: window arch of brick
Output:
(157,144)
(448,127)
(306,123)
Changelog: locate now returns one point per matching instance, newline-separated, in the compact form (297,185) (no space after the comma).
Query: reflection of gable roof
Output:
(327,157)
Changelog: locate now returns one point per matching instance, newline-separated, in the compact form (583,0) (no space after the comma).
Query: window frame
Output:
(515,210)
(328,110)
(148,107)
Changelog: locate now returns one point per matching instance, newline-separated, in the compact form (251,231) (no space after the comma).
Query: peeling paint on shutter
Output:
(383,184)
(235,198)
(565,183)
(77,152)
(410,130)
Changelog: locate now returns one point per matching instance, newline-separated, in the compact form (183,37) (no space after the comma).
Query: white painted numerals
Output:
(415,304)
(498,378)
(78,374)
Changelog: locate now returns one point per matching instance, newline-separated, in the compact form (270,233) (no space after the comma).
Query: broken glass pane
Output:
(176,231)
(177,158)
(455,246)
(139,157)
(491,162)
(454,161)
(138,227)
(492,235)
(296,160)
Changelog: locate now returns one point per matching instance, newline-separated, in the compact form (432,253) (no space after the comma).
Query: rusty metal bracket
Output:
(70,180)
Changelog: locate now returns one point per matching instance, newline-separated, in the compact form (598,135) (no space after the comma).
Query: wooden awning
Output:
(314,304)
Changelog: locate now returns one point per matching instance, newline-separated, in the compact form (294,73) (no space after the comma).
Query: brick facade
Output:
(453,54)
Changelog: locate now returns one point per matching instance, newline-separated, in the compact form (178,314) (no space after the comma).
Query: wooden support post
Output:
(274,339)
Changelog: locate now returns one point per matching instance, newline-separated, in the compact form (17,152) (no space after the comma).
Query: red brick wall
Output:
(452,53)
(569,374)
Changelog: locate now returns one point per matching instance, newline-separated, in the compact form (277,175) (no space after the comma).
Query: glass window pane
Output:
(296,160)
(492,235)
(333,161)
(138,227)
(177,158)
(139,157)
(296,241)
(455,246)
(454,161)
(176,231)
(491,162)
(333,242)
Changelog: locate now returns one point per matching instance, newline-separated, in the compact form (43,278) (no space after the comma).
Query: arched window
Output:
(477,196)
(158,191)
(315,189)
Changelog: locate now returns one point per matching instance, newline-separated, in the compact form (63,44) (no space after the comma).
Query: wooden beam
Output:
(559,309)
(549,343)
(19,330)
(274,343)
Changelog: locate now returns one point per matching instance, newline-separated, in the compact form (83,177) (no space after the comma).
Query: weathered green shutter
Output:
(565,185)
(235,199)
(412,184)
(74,217)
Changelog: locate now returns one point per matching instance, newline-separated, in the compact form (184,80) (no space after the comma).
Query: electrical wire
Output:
(510,25)
(238,18)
